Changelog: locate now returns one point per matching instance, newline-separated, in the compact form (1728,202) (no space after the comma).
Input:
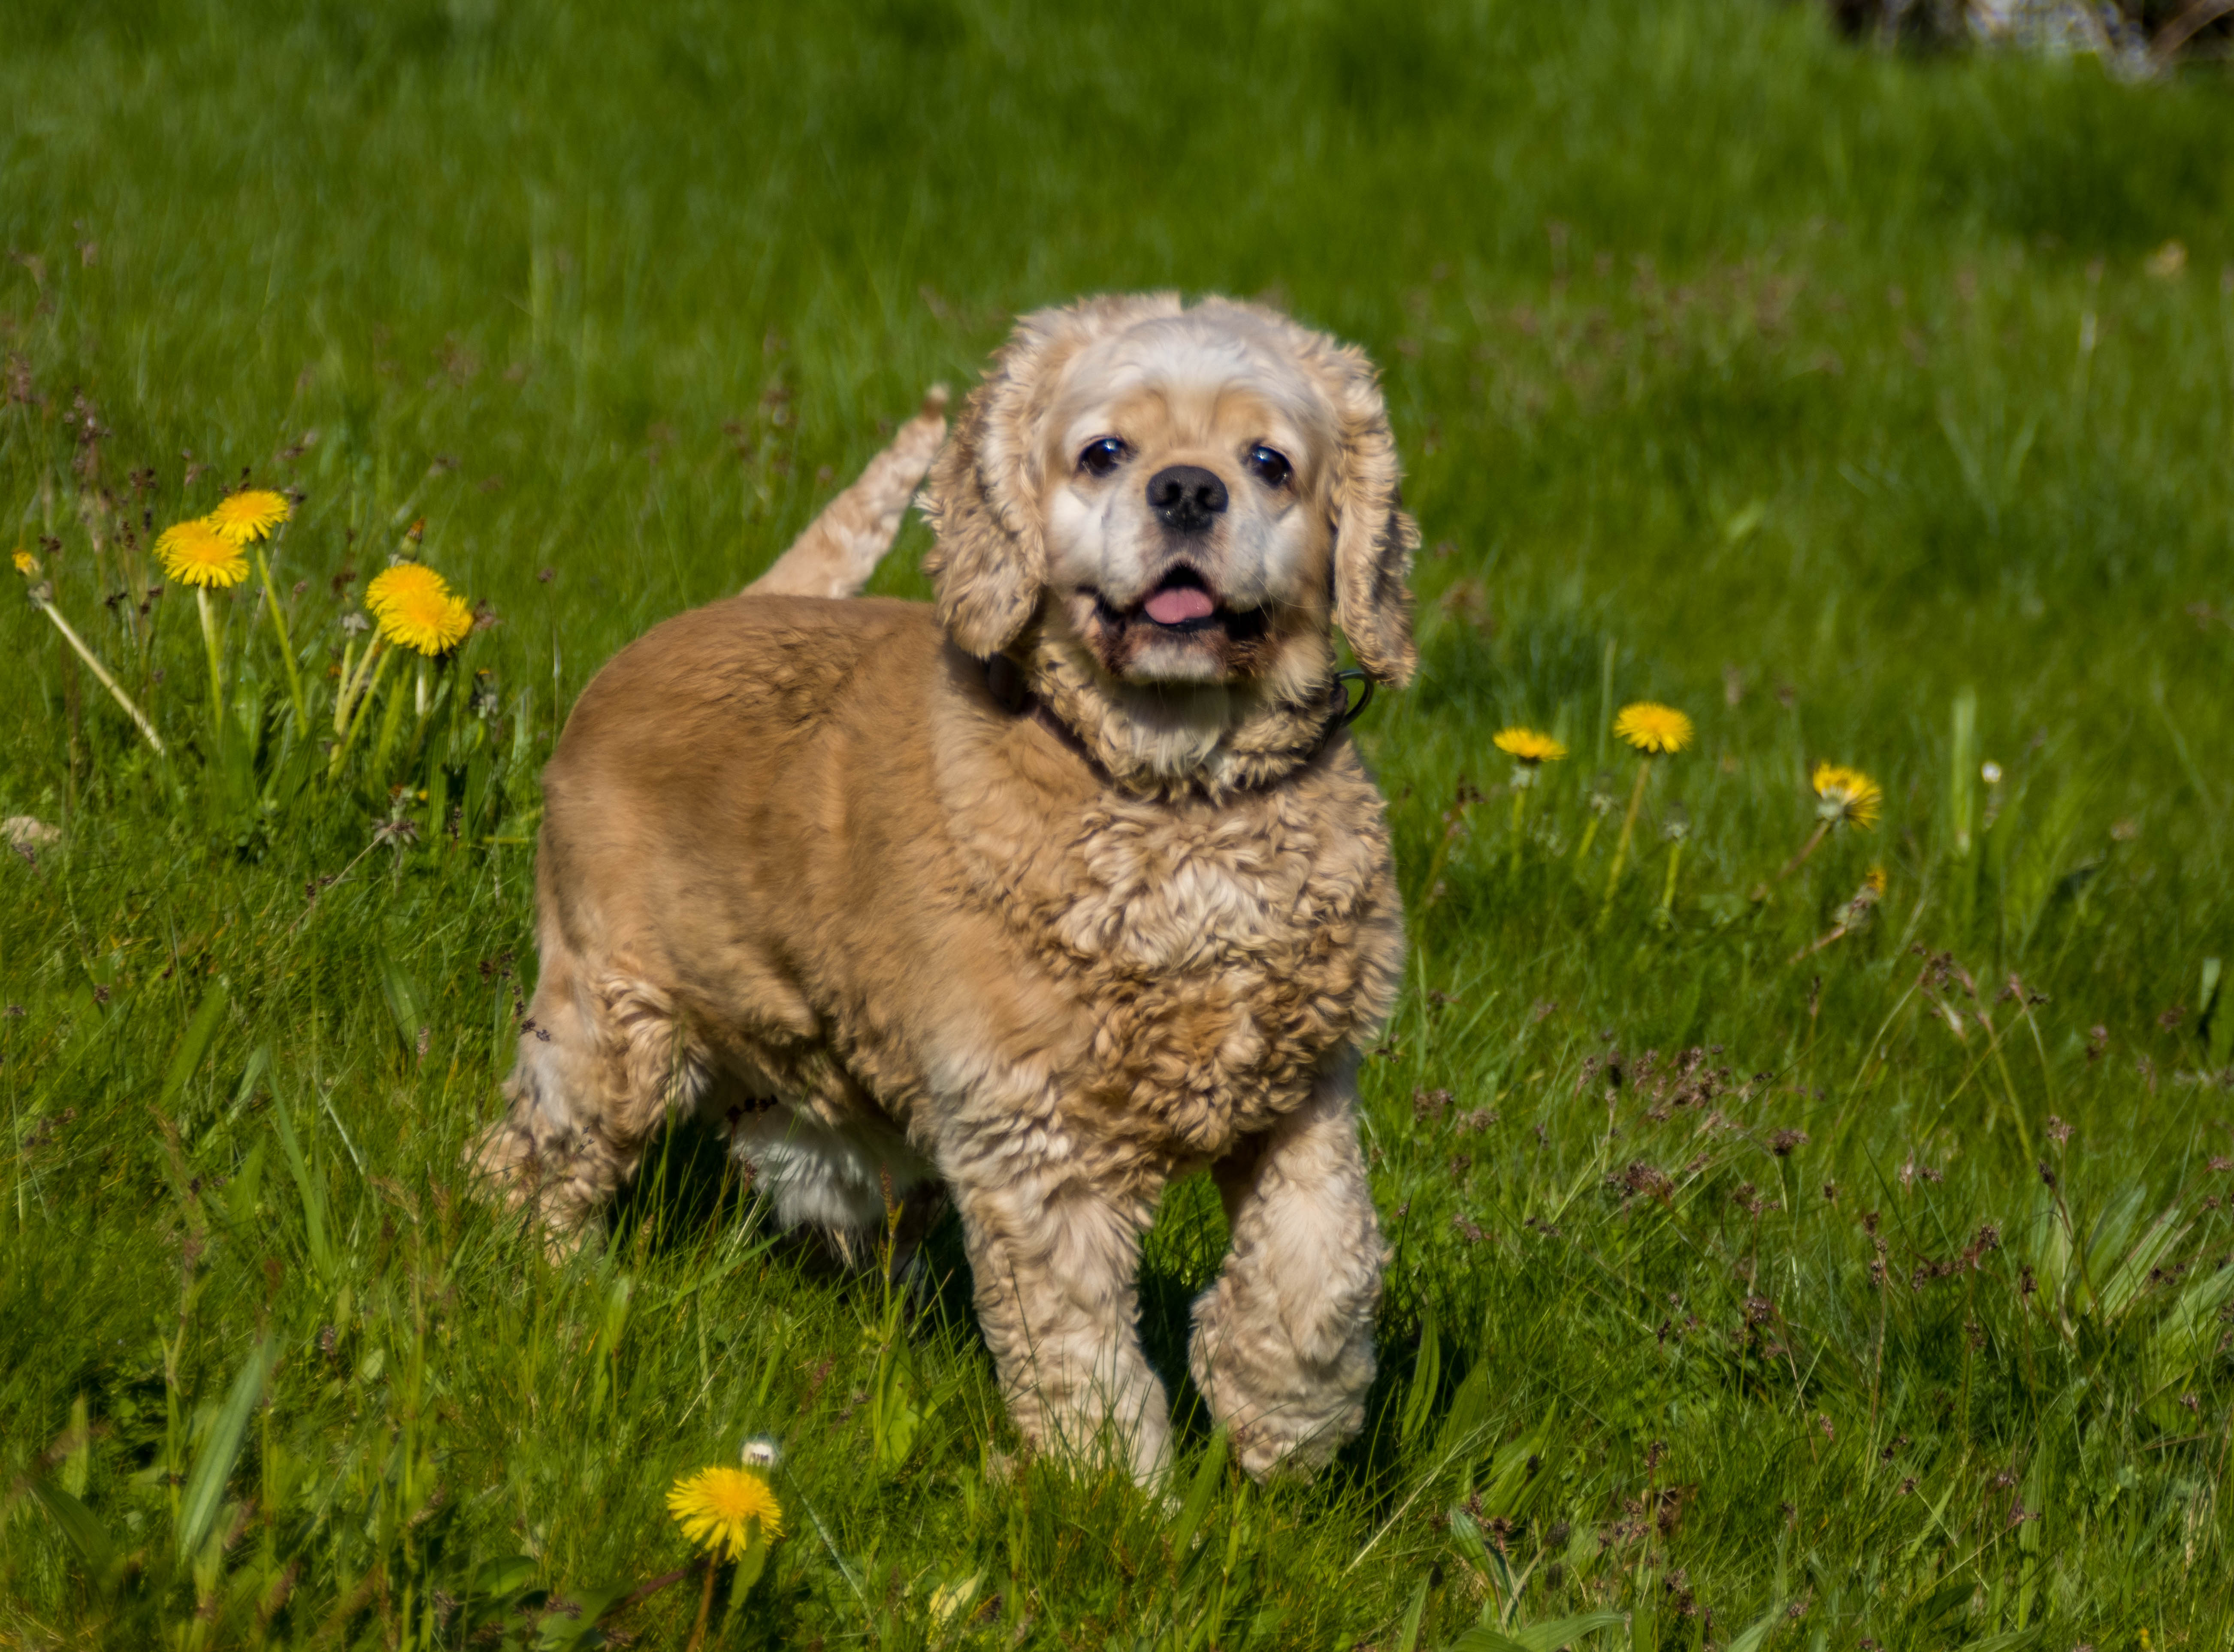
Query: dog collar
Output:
(1006,683)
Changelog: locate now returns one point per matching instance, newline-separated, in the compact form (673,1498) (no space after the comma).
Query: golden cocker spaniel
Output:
(1052,892)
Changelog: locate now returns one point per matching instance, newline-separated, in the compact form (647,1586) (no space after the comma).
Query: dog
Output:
(1050,893)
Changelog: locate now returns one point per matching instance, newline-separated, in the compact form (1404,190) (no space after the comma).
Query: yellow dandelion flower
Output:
(413,581)
(1652,727)
(26,564)
(426,622)
(416,609)
(1526,746)
(194,554)
(1875,879)
(1847,794)
(719,1508)
(250,515)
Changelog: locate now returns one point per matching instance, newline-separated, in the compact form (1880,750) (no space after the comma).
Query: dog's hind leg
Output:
(1283,1346)
(841,547)
(845,1184)
(604,1058)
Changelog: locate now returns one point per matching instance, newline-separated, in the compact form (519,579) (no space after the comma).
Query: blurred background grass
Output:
(1819,391)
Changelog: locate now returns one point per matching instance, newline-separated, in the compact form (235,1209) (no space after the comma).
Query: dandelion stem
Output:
(1621,845)
(341,694)
(1814,842)
(384,741)
(1589,837)
(286,649)
(1668,889)
(1837,932)
(356,718)
(93,664)
(1520,812)
(705,1608)
(216,662)
(365,675)
(353,686)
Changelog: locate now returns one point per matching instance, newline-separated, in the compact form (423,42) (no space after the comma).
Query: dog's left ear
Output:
(1375,536)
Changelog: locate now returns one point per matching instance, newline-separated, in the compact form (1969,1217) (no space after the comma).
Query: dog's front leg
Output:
(1054,1264)
(1282,1344)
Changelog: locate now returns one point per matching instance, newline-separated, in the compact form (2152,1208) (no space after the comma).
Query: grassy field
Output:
(1771,1268)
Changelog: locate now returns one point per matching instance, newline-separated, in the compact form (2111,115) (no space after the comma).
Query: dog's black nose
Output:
(1185,497)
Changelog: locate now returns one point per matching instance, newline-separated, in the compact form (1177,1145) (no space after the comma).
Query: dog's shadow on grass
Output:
(691,1191)
(1178,1260)
(688,1188)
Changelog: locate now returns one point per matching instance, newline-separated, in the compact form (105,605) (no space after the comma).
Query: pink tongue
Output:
(1176,605)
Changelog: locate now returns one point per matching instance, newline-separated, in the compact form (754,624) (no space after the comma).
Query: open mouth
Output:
(1183,603)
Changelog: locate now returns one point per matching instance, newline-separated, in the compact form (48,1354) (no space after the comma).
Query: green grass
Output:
(1732,366)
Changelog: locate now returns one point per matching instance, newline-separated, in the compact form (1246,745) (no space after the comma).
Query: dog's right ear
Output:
(990,559)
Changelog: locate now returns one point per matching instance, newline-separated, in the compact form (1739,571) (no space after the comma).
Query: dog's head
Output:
(1187,495)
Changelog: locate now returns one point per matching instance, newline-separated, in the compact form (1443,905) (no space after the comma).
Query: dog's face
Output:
(1184,478)
(1188,495)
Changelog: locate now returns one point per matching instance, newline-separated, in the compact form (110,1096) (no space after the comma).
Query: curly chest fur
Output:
(1215,958)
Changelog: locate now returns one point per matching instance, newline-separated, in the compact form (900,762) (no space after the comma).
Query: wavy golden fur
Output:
(1050,895)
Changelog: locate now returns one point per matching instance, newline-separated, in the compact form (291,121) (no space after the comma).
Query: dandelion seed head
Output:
(760,1452)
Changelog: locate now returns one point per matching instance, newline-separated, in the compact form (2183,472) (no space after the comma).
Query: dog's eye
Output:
(1272,468)
(1101,457)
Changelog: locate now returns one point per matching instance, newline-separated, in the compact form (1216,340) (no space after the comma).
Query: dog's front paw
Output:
(1287,1413)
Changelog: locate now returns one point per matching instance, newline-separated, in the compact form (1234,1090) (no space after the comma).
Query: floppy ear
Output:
(990,560)
(1375,536)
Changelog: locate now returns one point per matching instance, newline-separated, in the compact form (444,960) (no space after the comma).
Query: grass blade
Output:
(1407,1638)
(1547,1636)
(1750,1638)
(196,1042)
(80,1526)
(313,1194)
(1208,1475)
(205,1491)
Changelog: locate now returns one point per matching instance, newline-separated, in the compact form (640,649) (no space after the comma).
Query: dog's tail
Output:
(841,547)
